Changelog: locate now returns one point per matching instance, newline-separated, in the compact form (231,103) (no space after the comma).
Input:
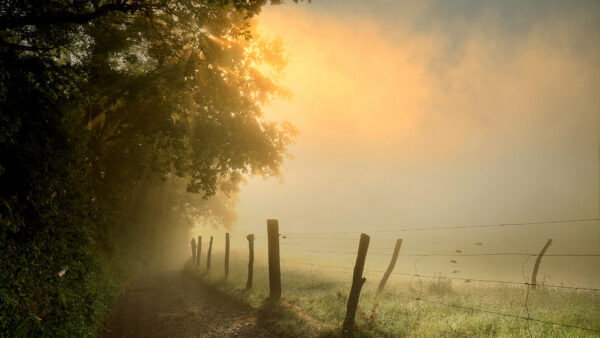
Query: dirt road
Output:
(170,304)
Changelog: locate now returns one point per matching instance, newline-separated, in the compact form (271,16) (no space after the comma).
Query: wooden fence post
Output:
(193,245)
(390,268)
(274,267)
(199,252)
(226,255)
(538,261)
(357,283)
(250,261)
(208,254)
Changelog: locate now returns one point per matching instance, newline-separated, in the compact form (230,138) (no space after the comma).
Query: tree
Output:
(101,100)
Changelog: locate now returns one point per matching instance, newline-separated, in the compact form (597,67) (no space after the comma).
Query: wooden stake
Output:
(208,254)
(357,283)
(199,252)
(274,267)
(537,263)
(198,246)
(390,268)
(250,261)
(193,245)
(226,255)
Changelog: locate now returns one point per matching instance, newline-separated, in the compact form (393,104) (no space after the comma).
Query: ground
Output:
(172,304)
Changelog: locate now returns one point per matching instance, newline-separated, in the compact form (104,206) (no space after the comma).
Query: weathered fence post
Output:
(198,250)
(250,260)
(193,245)
(390,268)
(357,283)
(226,255)
(274,267)
(208,254)
(538,261)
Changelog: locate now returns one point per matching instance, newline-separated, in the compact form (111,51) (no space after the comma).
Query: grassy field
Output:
(314,303)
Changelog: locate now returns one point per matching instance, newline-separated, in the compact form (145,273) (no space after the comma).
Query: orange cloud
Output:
(359,87)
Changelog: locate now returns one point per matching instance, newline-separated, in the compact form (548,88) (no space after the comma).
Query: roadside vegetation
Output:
(122,124)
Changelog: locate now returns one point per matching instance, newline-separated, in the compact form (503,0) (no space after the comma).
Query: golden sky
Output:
(433,115)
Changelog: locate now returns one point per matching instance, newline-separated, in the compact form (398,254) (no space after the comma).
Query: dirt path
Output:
(170,304)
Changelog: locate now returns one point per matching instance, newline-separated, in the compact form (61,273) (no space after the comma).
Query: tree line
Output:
(121,122)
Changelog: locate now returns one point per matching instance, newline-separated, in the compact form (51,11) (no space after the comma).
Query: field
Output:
(314,303)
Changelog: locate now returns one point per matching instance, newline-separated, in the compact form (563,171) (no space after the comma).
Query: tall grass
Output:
(317,296)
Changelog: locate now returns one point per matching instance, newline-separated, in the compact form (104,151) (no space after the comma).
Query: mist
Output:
(410,118)
(423,169)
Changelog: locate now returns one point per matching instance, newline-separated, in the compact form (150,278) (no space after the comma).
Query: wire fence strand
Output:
(500,313)
(448,254)
(527,255)
(564,221)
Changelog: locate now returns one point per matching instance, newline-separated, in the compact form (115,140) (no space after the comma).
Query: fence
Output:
(274,271)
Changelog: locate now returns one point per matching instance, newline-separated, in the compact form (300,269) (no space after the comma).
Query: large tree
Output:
(101,101)
(162,85)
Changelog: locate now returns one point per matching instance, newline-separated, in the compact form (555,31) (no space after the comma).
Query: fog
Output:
(431,115)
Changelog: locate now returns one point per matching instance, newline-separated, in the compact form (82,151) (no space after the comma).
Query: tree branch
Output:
(65,17)
(16,46)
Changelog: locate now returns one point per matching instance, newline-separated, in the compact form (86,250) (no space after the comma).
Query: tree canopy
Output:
(103,100)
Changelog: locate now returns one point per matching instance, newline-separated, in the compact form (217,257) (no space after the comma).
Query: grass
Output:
(314,304)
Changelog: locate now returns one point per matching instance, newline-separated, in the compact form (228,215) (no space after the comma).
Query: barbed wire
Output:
(464,279)
(578,220)
(451,255)
(500,313)
(419,298)
(498,281)
(319,265)
(283,236)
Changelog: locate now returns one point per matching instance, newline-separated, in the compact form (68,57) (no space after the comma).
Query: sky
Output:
(437,113)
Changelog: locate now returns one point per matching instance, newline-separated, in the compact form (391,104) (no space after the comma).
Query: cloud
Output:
(355,85)
(416,115)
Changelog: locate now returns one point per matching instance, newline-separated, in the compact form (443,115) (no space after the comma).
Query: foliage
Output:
(368,319)
(105,103)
